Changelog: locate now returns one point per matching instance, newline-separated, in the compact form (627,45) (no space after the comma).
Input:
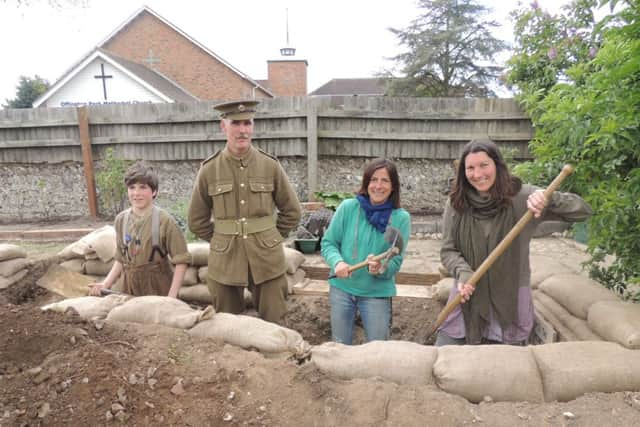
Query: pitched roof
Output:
(359,86)
(152,80)
(189,38)
(156,79)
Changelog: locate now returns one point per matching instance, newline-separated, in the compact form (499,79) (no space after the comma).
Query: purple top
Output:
(454,325)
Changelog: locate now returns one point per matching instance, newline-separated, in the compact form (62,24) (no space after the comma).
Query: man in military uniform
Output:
(243,203)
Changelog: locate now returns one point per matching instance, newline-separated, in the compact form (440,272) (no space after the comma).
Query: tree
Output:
(580,88)
(28,90)
(449,49)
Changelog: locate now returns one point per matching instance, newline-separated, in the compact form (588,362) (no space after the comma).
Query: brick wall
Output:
(288,77)
(180,60)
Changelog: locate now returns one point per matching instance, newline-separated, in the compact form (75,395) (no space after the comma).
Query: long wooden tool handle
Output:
(502,246)
(393,251)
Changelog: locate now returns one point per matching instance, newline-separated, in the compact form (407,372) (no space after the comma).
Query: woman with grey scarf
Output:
(485,203)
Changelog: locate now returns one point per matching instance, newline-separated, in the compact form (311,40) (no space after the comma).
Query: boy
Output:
(145,235)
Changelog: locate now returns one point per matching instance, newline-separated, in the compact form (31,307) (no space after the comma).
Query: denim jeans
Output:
(375,314)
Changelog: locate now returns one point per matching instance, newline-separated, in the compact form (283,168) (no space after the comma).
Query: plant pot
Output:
(307,246)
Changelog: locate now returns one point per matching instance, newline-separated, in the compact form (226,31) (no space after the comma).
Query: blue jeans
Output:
(375,314)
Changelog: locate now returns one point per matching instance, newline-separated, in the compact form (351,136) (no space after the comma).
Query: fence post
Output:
(87,159)
(312,148)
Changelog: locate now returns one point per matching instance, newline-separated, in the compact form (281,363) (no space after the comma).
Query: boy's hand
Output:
(95,288)
(172,293)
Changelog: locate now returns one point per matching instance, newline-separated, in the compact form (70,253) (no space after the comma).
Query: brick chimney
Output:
(288,77)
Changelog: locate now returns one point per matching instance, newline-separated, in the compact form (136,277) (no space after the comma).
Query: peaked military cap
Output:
(237,110)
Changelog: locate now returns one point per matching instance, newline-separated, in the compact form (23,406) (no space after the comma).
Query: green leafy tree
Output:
(110,182)
(585,104)
(450,50)
(28,90)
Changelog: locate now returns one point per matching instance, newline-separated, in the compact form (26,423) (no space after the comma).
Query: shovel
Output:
(394,238)
(498,250)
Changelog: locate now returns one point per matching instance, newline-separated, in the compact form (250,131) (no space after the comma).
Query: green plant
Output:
(179,212)
(332,199)
(110,182)
(578,80)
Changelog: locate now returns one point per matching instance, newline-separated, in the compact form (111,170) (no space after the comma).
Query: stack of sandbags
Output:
(564,300)
(194,286)
(13,264)
(93,254)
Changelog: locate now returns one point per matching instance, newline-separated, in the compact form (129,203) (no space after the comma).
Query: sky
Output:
(338,38)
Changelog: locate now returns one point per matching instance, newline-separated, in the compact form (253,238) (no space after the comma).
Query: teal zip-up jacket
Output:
(338,244)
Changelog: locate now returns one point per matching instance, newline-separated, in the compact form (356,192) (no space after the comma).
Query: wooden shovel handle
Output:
(393,251)
(502,246)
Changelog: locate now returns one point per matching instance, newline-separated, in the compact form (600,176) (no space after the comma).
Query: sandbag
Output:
(251,332)
(294,279)
(67,253)
(616,321)
(8,252)
(578,326)
(12,266)
(575,292)
(564,333)
(543,267)
(503,372)
(5,282)
(294,259)
(202,274)
(199,253)
(102,242)
(196,293)
(154,309)
(74,264)
(96,267)
(89,307)
(190,276)
(401,362)
(571,369)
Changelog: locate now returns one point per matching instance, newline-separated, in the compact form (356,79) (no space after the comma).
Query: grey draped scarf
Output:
(498,288)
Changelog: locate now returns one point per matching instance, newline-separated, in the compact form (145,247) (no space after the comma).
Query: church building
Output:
(148,59)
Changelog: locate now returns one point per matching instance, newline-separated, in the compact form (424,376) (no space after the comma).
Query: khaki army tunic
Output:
(145,271)
(244,207)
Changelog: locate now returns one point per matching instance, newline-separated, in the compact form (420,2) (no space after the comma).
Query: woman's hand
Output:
(466,290)
(374,266)
(536,203)
(342,270)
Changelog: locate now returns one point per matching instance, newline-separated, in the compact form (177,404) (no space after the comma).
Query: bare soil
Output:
(57,369)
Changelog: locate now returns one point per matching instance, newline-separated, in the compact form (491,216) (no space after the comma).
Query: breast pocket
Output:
(262,196)
(222,198)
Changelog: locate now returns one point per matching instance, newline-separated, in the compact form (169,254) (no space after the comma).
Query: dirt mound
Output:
(57,369)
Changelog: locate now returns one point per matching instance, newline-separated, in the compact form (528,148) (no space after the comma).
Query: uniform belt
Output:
(243,226)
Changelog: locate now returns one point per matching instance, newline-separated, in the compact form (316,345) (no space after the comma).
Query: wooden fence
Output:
(309,127)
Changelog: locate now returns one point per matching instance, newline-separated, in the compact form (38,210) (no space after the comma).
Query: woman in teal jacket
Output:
(356,232)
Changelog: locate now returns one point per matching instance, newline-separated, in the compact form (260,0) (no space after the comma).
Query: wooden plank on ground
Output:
(321,287)
(543,331)
(65,282)
(416,279)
